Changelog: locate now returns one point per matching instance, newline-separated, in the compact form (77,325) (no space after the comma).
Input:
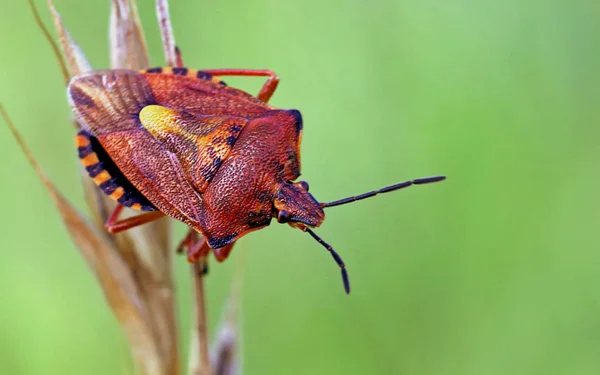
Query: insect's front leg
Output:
(188,241)
(197,247)
(222,253)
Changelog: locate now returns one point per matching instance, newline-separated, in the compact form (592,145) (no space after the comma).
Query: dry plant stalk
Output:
(134,269)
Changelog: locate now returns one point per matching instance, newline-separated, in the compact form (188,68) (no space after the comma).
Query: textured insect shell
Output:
(265,157)
(108,105)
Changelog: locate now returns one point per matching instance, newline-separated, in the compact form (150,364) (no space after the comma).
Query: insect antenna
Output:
(335,256)
(387,189)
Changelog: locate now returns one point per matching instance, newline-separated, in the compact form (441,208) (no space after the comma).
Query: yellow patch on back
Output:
(200,143)
(157,119)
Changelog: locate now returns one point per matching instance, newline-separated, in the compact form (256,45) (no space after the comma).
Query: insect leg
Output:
(197,250)
(113,225)
(194,246)
(268,88)
(179,59)
(223,252)
(188,241)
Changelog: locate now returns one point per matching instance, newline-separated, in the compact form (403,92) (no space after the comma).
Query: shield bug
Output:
(180,142)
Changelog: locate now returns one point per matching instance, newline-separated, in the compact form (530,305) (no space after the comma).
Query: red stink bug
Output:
(180,142)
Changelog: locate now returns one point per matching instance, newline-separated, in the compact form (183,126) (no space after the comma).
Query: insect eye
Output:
(283,216)
(304,185)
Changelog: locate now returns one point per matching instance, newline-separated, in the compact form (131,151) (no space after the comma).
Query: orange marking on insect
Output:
(192,73)
(118,193)
(136,206)
(91,159)
(81,141)
(167,70)
(101,177)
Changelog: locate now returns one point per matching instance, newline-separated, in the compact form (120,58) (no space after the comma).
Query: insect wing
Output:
(107,104)
(200,96)
(109,101)
(201,143)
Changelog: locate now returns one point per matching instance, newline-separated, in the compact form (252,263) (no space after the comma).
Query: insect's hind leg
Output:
(114,225)
(268,88)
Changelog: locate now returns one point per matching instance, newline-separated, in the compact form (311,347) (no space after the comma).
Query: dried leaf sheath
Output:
(166,32)
(113,274)
(225,358)
(134,268)
(199,361)
(144,252)
(76,60)
(149,245)
(51,42)
(127,44)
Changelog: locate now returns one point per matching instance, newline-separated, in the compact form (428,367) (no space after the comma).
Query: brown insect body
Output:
(180,142)
(212,156)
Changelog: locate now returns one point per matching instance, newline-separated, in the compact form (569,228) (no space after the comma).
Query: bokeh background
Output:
(494,271)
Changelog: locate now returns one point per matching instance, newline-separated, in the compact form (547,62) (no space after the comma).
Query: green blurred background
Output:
(494,271)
